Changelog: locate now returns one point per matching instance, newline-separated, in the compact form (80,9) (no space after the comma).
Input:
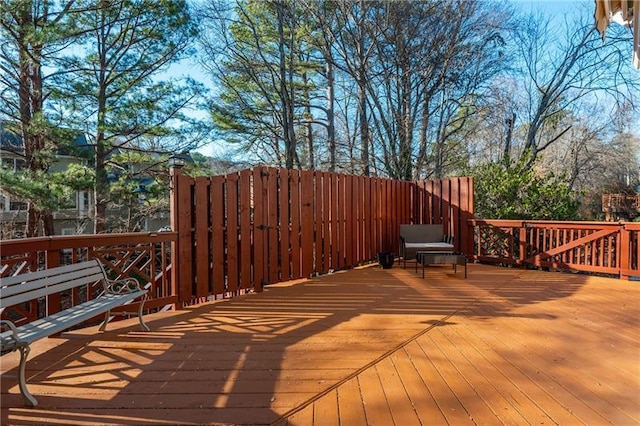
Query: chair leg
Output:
(29,399)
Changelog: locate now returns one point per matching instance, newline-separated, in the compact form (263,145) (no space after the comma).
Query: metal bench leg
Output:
(144,326)
(103,326)
(29,399)
(140,316)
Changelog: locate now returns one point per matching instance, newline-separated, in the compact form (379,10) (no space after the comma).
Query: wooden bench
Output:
(26,287)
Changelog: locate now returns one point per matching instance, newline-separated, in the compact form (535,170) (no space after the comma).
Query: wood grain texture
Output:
(367,346)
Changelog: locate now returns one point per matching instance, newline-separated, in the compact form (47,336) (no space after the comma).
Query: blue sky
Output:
(553,6)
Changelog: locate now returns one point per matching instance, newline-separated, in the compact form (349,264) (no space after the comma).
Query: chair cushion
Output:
(441,246)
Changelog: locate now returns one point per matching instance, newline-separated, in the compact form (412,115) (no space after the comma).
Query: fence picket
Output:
(259,229)
(231,201)
(217,234)
(285,224)
(296,256)
(245,193)
(202,239)
(273,225)
(307,222)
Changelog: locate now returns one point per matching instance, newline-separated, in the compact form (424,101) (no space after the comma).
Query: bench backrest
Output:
(422,233)
(32,285)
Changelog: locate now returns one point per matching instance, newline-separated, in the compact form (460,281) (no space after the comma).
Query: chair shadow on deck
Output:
(256,358)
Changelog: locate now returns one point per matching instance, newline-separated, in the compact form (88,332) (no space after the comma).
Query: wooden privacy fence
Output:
(265,225)
(597,247)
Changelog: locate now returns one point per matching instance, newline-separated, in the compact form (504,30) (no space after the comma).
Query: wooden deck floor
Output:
(361,347)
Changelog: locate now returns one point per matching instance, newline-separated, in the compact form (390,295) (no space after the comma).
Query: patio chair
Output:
(414,238)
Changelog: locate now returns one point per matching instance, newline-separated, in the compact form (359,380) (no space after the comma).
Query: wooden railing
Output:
(143,256)
(596,247)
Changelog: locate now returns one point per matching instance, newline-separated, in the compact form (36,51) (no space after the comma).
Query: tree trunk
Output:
(30,106)
(101,187)
(507,144)
(331,130)
(308,125)
(285,99)
(421,160)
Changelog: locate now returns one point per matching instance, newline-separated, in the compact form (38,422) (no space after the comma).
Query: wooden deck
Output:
(361,347)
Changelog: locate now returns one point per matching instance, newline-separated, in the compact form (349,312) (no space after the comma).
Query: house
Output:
(621,207)
(76,216)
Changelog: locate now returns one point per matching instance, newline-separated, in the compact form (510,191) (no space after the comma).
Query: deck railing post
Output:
(174,172)
(523,245)
(52,259)
(624,251)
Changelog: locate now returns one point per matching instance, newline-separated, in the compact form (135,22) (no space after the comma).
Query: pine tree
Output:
(33,31)
(113,91)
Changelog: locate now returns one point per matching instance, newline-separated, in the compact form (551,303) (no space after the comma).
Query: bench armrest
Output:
(123,286)
(12,336)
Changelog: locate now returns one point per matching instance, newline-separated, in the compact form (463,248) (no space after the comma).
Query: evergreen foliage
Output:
(516,191)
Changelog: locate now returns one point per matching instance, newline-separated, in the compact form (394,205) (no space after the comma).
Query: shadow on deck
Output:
(358,347)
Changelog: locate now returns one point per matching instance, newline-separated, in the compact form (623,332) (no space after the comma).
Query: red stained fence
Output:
(264,225)
(597,247)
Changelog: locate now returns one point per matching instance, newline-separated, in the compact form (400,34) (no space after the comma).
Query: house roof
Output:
(76,143)
(623,12)
(10,142)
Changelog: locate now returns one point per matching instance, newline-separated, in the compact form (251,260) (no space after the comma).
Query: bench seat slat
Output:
(60,321)
(51,281)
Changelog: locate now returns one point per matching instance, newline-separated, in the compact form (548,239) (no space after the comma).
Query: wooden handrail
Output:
(594,247)
(143,256)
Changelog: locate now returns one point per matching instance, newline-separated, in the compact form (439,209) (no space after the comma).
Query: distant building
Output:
(73,219)
(77,215)
(621,207)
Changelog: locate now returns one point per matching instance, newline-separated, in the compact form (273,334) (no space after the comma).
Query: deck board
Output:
(366,346)
(350,403)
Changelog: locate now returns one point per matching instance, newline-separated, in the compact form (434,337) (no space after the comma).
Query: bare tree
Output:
(561,70)
(251,51)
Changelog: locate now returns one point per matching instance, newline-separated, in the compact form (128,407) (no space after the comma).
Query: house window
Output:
(83,200)
(69,202)
(15,164)
(17,206)
(7,163)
